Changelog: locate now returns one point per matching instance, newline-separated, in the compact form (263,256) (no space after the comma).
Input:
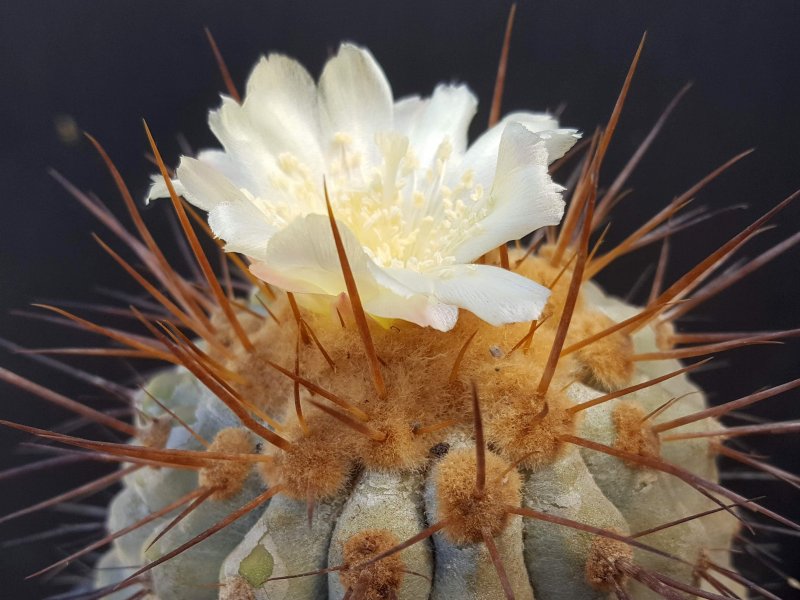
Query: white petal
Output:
(217,159)
(302,258)
(558,142)
(396,301)
(158,188)
(446,115)
(279,116)
(493,294)
(243,227)
(523,196)
(480,158)
(204,186)
(354,99)
(235,131)
(222,162)
(281,102)
(406,111)
(535,122)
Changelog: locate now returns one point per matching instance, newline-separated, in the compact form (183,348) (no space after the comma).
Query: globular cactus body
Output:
(305,530)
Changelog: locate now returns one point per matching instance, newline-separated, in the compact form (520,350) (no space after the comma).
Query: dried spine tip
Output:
(470,512)
(378,580)
(227,477)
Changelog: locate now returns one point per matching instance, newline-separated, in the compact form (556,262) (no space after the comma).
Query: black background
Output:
(106,65)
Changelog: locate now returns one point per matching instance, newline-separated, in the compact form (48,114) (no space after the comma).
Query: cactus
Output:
(345,431)
(367,486)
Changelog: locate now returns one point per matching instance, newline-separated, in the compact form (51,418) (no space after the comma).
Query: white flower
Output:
(414,205)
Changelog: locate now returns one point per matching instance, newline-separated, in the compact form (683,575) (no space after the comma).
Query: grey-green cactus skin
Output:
(391,501)
(543,561)
(291,543)
(193,574)
(466,570)
(556,556)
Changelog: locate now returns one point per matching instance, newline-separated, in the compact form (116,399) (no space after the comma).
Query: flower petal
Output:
(558,142)
(354,99)
(158,188)
(302,258)
(406,111)
(278,117)
(232,127)
(493,294)
(396,301)
(523,196)
(204,186)
(218,160)
(232,215)
(222,162)
(243,227)
(281,102)
(481,156)
(447,114)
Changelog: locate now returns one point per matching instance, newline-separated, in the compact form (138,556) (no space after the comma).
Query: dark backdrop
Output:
(103,66)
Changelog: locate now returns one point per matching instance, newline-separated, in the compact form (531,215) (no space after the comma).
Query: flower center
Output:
(404,214)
